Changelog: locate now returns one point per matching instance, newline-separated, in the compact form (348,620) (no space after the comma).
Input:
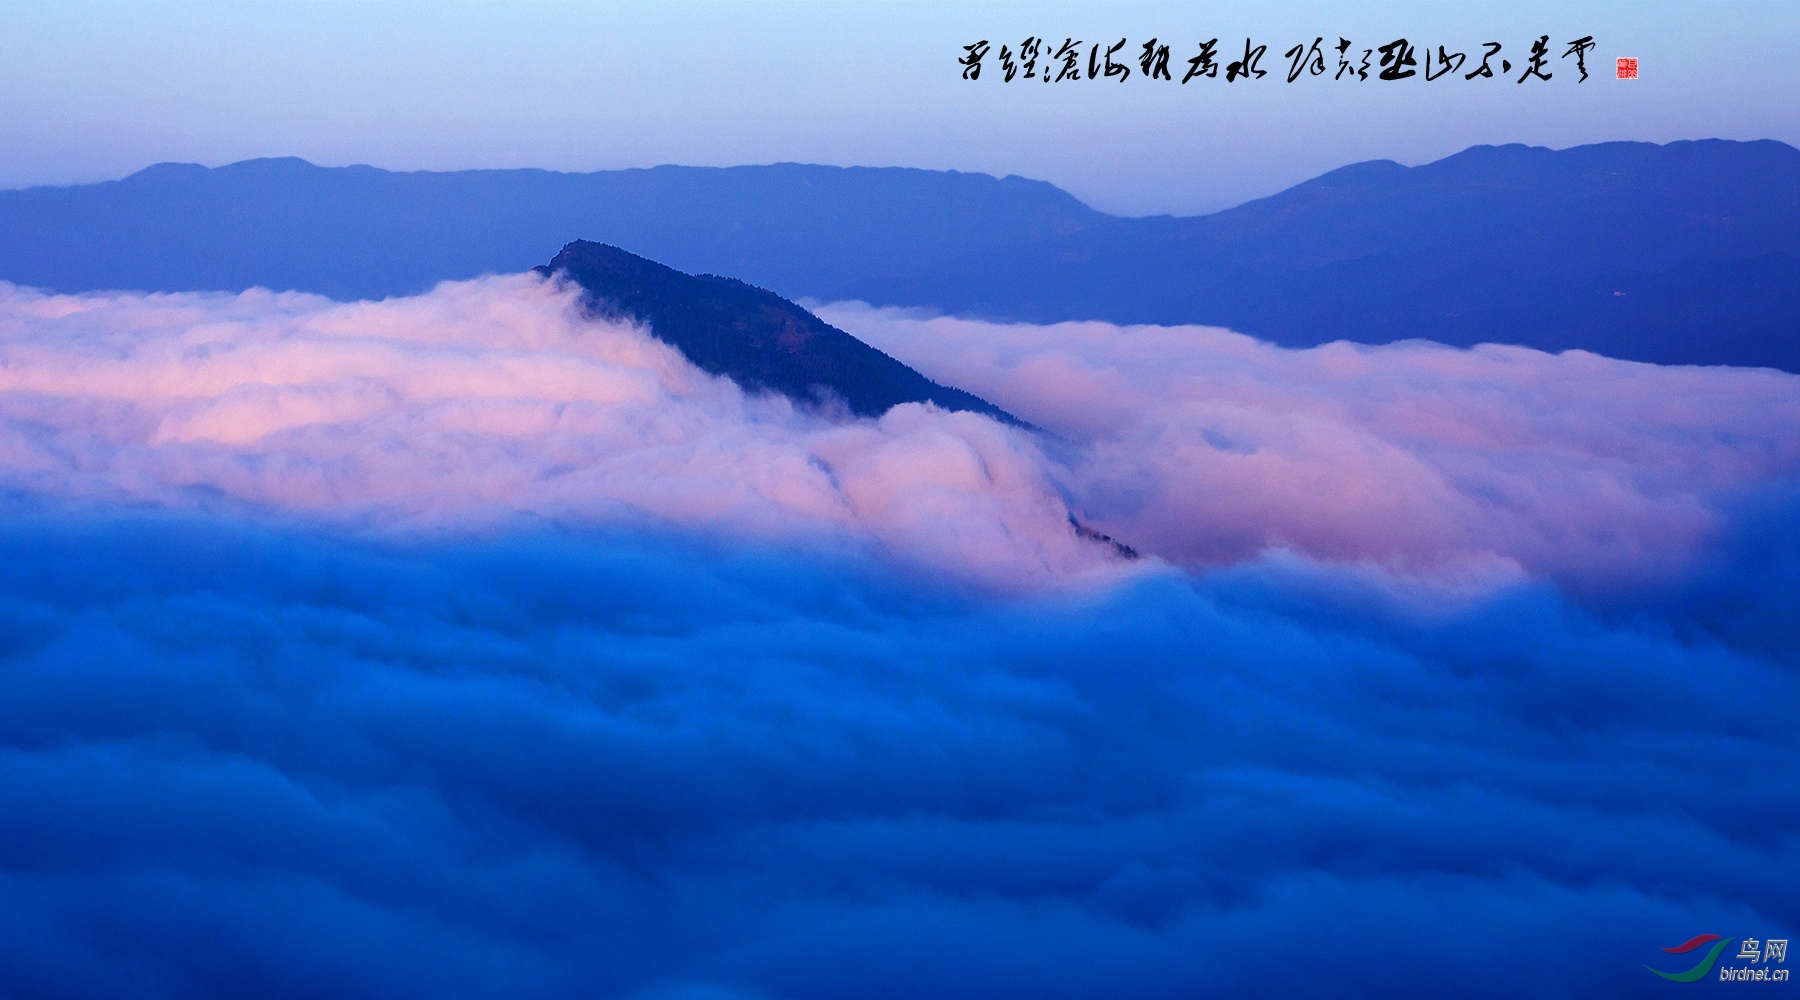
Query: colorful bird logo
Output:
(1706,964)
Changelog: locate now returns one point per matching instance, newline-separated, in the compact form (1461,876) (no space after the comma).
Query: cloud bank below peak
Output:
(569,764)
(499,398)
(1206,446)
(464,645)
(488,400)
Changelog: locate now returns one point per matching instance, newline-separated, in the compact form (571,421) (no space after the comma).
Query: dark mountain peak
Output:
(162,173)
(1638,163)
(185,177)
(272,167)
(1363,172)
(752,336)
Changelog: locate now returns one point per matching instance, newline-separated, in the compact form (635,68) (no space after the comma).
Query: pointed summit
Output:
(754,337)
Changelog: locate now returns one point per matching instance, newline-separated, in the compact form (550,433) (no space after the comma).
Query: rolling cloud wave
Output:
(483,401)
(495,398)
(558,764)
(1208,446)
(460,646)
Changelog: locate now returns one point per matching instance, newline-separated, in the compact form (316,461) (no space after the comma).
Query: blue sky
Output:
(94,91)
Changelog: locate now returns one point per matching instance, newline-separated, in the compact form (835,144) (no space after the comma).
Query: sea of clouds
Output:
(461,645)
(1209,447)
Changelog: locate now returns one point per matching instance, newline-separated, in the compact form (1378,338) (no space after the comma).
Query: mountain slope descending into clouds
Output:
(1683,253)
(754,337)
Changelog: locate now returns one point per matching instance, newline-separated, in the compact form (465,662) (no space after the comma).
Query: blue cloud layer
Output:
(241,760)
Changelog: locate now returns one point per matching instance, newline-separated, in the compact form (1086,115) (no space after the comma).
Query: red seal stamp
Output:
(1627,67)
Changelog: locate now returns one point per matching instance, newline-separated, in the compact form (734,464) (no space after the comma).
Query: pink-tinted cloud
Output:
(493,399)
(488,399)
(1205,446)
